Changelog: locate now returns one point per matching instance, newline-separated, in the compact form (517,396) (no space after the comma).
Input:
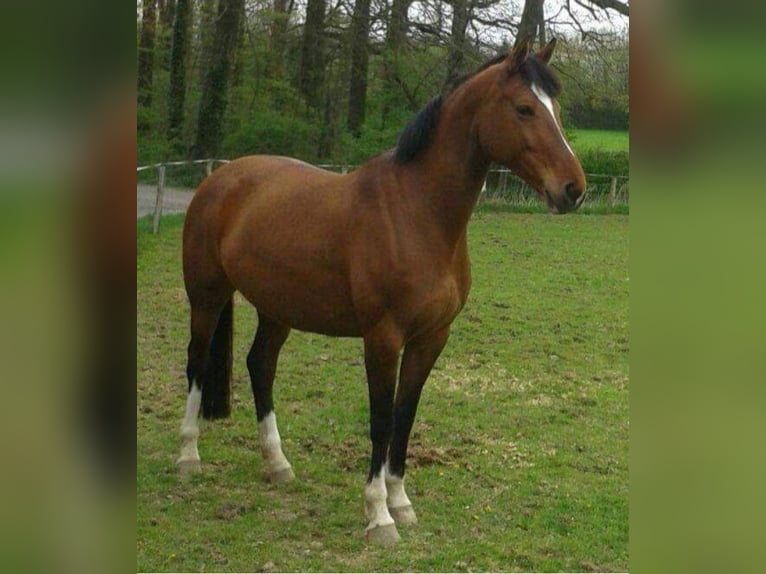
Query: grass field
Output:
(519,457)
(582,140)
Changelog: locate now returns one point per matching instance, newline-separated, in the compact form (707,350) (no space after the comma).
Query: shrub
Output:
(274,132)
(605,162)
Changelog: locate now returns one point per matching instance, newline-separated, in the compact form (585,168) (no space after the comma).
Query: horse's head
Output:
(518,125)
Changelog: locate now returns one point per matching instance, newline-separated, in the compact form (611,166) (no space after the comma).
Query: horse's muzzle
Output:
(570,200)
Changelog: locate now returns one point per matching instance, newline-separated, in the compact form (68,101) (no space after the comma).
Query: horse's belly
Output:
(319,305)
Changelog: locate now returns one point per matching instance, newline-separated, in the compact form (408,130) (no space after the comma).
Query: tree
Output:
(357,95)
(542,40)
(216,84)
(590,5)
(621,7)
(531,20)
(312,54)
(457,48)
(396,39)
(597,73)
(206,15)
(238,60)
(146,53)
(178,56)
(398,25)
(306,77)
(167,10)
(278,34)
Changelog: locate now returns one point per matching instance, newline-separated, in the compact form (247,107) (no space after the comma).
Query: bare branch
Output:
(621,7)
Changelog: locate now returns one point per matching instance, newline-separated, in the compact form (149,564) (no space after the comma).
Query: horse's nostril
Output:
(572,192)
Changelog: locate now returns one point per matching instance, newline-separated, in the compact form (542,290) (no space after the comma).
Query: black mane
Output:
(417,135)
(419,132)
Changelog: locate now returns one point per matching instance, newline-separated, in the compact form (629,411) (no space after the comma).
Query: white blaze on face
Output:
(545,99)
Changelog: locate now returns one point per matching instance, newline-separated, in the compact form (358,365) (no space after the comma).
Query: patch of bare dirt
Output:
(229,511)
(419,456)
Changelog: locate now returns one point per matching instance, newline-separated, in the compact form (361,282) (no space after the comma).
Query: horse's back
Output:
(256,184)
(242,178)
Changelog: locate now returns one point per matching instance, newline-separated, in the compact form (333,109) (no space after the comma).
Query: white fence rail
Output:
(161,170)
(501,184)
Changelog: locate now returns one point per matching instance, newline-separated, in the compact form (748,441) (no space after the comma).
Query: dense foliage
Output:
(272,105)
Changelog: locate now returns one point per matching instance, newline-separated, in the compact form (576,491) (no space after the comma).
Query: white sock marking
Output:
(271,444)
(397,498)
(375,502)
(548,103)
(189,426)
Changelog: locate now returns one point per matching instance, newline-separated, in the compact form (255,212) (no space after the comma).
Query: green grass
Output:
(518,459)
(607,140)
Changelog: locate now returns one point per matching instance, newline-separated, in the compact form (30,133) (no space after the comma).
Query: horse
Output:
(379,253)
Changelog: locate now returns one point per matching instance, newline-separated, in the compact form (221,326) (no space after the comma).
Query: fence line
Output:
(500,184)
(161,170)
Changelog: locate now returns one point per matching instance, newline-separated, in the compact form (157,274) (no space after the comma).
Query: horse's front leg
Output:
(381,357)
(420,354)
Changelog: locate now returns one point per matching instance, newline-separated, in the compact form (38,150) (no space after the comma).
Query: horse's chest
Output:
(436,304)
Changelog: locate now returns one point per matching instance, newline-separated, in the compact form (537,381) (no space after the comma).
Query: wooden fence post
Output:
(209,167)
(503,182)
(613,192)
(160,197)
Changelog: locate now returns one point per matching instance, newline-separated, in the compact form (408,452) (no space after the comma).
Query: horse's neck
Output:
(452,173)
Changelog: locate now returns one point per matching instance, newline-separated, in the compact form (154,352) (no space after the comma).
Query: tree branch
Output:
(621,7)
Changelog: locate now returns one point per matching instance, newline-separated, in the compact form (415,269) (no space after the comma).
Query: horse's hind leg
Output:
(419,357)
(204,321)
(262,365)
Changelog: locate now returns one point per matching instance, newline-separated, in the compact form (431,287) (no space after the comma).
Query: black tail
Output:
(216,377)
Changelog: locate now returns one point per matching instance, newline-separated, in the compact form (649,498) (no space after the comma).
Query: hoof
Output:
(382,535)
(404,515)
(189,467)
(282,475)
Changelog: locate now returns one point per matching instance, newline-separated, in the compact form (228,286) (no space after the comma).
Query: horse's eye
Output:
(525,111)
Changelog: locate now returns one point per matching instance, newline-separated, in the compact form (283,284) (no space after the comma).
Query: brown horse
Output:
(379,253)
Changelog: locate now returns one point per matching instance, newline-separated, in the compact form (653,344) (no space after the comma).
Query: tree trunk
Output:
(396,39)
(529,20)
(327,133)
(206,34)
(397,24)
(167,9)
(312,54)
(178,56)
(457,39)
(215,87)
(278,35)
(357,95)
(541,25)
(238,57)
(146,53)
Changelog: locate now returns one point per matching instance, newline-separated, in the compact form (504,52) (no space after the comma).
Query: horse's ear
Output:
(518,55)
(546,52)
